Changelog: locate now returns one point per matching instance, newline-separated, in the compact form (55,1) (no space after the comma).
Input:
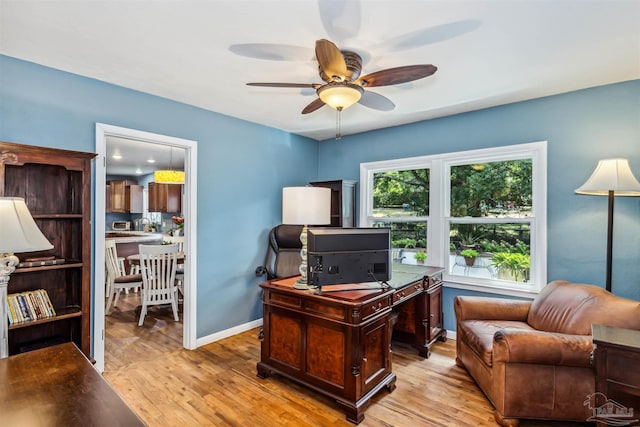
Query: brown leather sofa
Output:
(532,358)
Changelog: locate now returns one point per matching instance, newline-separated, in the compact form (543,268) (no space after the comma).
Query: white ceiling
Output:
(139,158)
(488,52)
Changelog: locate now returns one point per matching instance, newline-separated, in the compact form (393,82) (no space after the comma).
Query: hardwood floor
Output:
(216,385)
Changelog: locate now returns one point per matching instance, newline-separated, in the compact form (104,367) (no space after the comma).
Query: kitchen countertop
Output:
(132,236)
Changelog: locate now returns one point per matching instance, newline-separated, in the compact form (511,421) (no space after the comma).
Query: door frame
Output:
(190,227)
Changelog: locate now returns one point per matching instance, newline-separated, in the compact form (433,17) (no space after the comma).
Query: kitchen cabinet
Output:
(343,201)
(165,197)
(56,186)
(124,196)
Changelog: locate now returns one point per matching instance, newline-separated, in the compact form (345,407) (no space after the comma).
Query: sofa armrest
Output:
(511,345)
(486,308)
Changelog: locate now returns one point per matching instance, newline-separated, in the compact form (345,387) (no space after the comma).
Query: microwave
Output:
(121,225)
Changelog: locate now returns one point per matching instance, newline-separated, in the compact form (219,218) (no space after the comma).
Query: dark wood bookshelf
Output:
(56,186)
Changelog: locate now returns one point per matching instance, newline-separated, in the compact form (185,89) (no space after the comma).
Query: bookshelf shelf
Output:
(62,314)
(48,267)
(57,216)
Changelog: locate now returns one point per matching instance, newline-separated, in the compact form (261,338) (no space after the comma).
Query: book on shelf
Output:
(40,262)
(29,306)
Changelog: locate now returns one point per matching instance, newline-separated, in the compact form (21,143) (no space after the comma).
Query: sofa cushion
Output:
(572,309)
(478,335)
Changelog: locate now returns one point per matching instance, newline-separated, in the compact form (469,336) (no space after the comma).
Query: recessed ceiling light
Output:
(117,156)
(151,161)
(138,172)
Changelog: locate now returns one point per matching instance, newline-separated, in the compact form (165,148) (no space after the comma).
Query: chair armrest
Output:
(511,345)
(486,308)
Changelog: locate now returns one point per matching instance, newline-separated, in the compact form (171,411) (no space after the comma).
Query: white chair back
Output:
(111,259)
(116,281)
(179,240)
(158,265)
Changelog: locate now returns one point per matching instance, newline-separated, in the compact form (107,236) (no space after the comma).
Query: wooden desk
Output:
(418,302)
(616,359)
(338,343)
(58,386)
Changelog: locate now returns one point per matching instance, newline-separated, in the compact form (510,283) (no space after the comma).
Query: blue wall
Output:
(581,128)
(242,168)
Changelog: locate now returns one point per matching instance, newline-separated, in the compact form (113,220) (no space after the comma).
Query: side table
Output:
(616,359)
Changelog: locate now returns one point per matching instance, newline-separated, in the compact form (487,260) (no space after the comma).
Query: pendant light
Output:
(169,176)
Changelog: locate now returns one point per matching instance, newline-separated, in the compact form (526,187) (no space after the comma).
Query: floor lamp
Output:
(305,206)
(612,177)
(19,233)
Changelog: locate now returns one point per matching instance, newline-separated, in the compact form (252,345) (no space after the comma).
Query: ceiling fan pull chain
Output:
(338,135)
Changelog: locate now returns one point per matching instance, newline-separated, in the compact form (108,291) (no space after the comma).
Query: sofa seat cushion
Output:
(478,335)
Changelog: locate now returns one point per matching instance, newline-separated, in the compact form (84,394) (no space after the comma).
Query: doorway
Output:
(104,131)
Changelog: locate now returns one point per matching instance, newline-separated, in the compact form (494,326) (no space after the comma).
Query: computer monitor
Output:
(348,255)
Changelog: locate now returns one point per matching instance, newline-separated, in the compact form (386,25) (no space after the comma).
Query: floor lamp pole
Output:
(609,241)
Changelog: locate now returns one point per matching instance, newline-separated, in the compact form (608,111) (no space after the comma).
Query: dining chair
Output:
(116,281)
(158,264)
(180,270)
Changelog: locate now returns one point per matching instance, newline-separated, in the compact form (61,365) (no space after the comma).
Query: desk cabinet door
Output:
(435,311)
(376,364)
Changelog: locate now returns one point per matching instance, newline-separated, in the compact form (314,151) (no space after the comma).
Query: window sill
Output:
(520,293)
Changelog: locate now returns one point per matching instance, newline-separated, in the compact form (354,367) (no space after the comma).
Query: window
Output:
(481,214)
(401,202)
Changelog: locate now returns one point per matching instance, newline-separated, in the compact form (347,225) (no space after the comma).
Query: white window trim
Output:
(438,220)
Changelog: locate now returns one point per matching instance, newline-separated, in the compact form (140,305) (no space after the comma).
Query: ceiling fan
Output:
(343,87)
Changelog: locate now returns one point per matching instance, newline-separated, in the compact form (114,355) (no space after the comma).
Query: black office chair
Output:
(283,254)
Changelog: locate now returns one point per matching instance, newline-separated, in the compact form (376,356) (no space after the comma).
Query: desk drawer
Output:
(434,281)
(375,307)
(407,292)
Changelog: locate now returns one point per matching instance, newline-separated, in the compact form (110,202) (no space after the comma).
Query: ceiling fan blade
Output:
(394,76)
(302,85)
(331,61)
(376,101)
(317,103)
(272,52)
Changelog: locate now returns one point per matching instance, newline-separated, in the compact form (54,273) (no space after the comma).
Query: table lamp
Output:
(612,177)
(19,233)
(305,206)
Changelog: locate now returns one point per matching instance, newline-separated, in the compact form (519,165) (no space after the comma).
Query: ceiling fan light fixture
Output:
(340,95)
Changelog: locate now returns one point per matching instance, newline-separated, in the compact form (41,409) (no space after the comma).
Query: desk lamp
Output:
(19,233)
(612,177)
(305,206)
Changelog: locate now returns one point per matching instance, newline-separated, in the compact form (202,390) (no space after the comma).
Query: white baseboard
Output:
(228,332)
(451,335)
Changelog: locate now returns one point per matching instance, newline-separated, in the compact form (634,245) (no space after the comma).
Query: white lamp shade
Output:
(611,175)
(306,205)
(19,232)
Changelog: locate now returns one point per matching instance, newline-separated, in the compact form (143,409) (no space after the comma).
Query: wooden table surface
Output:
(58,386)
